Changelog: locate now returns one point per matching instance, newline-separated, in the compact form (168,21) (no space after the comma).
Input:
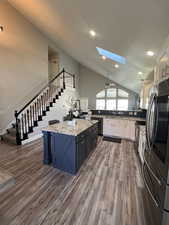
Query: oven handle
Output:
(148,189)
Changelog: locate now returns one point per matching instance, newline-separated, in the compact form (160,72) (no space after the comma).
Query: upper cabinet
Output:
(145,93)
(162,68)
(161,72)
(162,63)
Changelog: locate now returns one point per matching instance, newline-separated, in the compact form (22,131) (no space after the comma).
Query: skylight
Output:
(112,56)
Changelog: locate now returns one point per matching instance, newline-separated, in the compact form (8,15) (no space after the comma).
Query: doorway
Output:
(53,64)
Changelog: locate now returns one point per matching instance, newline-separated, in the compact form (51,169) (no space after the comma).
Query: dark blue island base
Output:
(68,152)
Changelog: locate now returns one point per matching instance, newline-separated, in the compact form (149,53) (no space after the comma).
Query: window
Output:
(111,92)
(101,94)
(100,104)
(112,98)
(122,104)
(111,104)
(122,93)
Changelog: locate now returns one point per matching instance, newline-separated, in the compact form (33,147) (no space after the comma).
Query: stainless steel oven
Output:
(156,157)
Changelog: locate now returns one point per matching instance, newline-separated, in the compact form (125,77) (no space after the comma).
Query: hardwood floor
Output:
(108,190)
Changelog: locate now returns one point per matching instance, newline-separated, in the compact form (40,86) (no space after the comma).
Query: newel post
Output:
(18,137)
(74,81)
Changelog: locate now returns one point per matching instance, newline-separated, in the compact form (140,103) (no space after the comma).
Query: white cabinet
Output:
(130,130)
(162,68)
(112,127)
(145,94)
(142,142)
(122,128)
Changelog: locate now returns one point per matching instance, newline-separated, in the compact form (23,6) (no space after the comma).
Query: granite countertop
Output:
(120,117)
(6,180)
(65,128)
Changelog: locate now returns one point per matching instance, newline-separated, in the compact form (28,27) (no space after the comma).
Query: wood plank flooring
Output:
(108,190)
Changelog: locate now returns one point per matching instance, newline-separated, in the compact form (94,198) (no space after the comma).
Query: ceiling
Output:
(128,28)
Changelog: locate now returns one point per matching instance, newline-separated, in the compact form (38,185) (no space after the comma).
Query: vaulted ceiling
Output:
(128,28)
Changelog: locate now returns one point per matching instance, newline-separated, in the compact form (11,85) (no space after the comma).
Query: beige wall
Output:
(91,83)
(68,63)
(23,62)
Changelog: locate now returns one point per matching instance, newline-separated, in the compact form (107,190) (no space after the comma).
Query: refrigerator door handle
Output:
(148,123)
(156,122)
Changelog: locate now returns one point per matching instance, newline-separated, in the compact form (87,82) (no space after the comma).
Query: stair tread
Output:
(12,131)
(9,138)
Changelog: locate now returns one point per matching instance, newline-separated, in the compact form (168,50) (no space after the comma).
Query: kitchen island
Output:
(67,146)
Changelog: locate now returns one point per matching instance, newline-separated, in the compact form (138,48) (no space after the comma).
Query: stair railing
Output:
(28,117)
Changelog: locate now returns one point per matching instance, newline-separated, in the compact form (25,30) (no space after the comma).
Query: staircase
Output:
(36,109)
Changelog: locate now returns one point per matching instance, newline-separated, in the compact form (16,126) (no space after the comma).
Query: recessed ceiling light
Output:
(103,57)
(1,29)
(116,66)
(150,53)
(140,73)
(92,33)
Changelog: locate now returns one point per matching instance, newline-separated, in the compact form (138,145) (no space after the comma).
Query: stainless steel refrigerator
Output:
(156,156)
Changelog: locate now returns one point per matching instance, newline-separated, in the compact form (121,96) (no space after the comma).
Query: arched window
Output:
(112,98)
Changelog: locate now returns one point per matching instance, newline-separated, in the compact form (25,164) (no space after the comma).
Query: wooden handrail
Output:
(27,118)
(70,74)
(17,113)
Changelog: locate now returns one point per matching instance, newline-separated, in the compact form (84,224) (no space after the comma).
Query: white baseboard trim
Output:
(32,139)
